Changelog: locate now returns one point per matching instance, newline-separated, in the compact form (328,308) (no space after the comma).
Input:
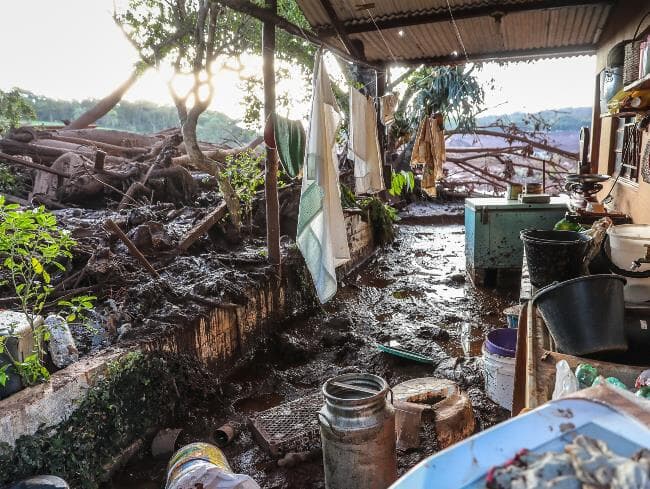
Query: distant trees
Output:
(142,116)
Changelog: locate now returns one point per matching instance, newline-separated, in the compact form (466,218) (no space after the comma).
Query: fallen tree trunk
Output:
(104,106)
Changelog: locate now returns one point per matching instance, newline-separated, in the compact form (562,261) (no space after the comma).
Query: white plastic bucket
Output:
(627,244)
(499,373)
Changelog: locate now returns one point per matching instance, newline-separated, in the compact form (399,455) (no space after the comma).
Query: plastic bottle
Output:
(62,346)
(565,380)
(586,374)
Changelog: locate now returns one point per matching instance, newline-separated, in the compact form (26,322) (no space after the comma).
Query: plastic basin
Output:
(502,341)
(585,315)
(554,256)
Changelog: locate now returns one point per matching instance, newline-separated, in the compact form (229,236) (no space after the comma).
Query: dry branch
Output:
(219,154)
(521,139)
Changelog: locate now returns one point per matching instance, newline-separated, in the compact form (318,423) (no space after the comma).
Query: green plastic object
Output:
(644,392)
(402,353)
(566,225)
(610,380)
(586,374)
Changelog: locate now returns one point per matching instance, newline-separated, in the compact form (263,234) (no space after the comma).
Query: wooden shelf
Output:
(639,84)
(627,113)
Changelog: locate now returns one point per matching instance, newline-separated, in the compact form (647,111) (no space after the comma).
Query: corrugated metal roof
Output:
(552,31)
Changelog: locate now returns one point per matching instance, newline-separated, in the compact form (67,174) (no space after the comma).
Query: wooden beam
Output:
(271,167)
(204,226)
(340,30)
(496,9)
(517,55)
(265,15)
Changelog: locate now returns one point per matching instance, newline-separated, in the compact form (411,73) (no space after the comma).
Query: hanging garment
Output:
(387,106)
(429,151)
(322,238)
(645,163)
(290,142)
(364,144)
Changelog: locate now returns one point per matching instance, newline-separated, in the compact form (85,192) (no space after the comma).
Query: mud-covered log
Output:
(35,166)
(46,151)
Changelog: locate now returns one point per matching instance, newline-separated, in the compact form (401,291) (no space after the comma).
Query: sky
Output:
(71,49)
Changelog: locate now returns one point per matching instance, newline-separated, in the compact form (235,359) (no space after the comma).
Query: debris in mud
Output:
(585,462)
(363,315)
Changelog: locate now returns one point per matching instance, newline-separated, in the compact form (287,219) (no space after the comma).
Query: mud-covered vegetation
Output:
(79,449)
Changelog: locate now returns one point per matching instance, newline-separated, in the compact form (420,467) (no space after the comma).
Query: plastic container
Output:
(499,373)
(502,341)
(627,244)
(204,465)
(585,315)
(512,316)
(554,256)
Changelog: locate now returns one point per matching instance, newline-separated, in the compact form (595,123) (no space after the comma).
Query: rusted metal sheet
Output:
(553,31)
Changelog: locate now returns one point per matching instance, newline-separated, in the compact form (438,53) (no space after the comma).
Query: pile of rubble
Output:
(153,238)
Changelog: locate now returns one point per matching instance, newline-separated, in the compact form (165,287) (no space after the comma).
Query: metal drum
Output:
(357,428)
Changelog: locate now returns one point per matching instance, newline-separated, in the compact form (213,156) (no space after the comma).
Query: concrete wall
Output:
(218,339)
(629,197)
(53,401)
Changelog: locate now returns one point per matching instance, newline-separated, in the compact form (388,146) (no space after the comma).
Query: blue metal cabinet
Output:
(492,227)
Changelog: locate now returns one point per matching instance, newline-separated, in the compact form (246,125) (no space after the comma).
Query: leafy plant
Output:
(32,247)
(401,181)
(244,171)
(381,217)
(14,108)
(348,199)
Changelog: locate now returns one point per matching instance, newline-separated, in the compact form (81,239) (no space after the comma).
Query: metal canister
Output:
(357,428)
(195,457)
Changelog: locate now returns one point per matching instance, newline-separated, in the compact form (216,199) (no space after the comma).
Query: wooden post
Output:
(271,171)
(381,129)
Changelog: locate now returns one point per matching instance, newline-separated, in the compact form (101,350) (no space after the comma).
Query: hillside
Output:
(565,119)
(142,117)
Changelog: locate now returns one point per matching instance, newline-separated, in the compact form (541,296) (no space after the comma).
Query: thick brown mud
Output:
(415,293)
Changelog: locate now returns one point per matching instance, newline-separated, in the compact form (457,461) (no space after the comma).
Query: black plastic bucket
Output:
(585,315)
(554,256)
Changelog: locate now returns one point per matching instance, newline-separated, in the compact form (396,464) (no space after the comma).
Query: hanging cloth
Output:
(290,142)
(364,144)
(387,106)
(322,237)
(429,151)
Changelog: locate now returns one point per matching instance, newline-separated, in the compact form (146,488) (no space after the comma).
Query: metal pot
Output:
(357,427)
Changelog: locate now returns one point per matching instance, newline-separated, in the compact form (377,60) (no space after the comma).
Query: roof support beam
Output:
(339,29)
(266,15)
(442,15)
(518,55)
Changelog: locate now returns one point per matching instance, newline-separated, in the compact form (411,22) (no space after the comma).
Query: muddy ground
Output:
(415,291)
